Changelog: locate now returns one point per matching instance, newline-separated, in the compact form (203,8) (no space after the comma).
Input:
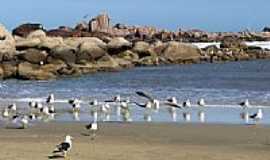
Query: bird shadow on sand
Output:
(56,157)
(9,127)
(85,134)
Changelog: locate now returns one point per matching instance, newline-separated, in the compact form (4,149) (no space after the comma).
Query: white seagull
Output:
(257,116)
(245,104)
(64,147)
(201,102)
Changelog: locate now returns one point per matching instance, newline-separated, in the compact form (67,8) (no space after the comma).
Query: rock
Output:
(33,56)
(25,29)
(232,42)
(37,34)
(50,43)
(148,61)
(64,33)
(118,44)
(143,49)
(107,63)
(65,53)
(30,71)
(7,44)
(9,69)
(26,43)
(123,63)
(75,42)
(89,51)
(128,55)
(1,73)
(181,53)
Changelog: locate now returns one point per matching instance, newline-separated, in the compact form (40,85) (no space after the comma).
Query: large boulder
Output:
(128,55)
(7,44)
(64,53)
(1,72)
(232,42)
(48,43)
(75,42)
(9,69)
(25,29)
(30,71)
(118,44)
(37,34)
(177,52)
(33,56)
(107,63)
(143,49)
(89,51)
(26,43)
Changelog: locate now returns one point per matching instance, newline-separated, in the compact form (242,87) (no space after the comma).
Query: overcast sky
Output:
(211,15)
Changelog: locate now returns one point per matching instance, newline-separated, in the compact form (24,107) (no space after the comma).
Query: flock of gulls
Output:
(46,111)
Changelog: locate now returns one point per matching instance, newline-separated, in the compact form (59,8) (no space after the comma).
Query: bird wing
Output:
(145,95)
(253,115)
(140,105)
(64,146)
(173,105)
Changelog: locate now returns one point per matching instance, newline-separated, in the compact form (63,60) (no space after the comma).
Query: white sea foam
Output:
(262,44)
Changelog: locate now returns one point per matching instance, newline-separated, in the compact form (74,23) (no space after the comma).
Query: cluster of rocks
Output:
(31,52)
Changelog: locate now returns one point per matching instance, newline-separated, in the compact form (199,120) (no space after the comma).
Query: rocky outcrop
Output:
(30,71)
(38,54)
(176,52)
(25,29)
(118,44)
(7,45)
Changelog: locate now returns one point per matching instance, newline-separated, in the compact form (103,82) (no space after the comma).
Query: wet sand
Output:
(140,141)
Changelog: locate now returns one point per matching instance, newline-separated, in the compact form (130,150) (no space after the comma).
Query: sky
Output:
(209,15)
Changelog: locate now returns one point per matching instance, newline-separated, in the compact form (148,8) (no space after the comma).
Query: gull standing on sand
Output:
(92,127)
(257,116)
(148,109)
(245,115)
(64,147)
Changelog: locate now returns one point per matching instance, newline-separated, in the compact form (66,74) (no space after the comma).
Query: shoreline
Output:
(140,141)
(31,52)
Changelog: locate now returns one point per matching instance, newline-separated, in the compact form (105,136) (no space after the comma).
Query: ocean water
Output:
(222,85)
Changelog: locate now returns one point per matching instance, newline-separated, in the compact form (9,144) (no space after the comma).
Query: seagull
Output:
(201,102)
(50,99)
(74,101)
(245,104)
(257,116)
(172,100)
(125,111)
(5,113)
(92,127)
(24,122)
(117,98)
(12,107)
(155,102)
(76,107)
(65,146)
(187,103)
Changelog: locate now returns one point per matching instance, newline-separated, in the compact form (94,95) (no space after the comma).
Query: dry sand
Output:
(140,141)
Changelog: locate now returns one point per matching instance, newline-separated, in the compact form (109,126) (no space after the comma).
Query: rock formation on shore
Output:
(33,53)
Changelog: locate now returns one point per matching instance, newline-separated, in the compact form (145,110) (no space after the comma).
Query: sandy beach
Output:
(122,141)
